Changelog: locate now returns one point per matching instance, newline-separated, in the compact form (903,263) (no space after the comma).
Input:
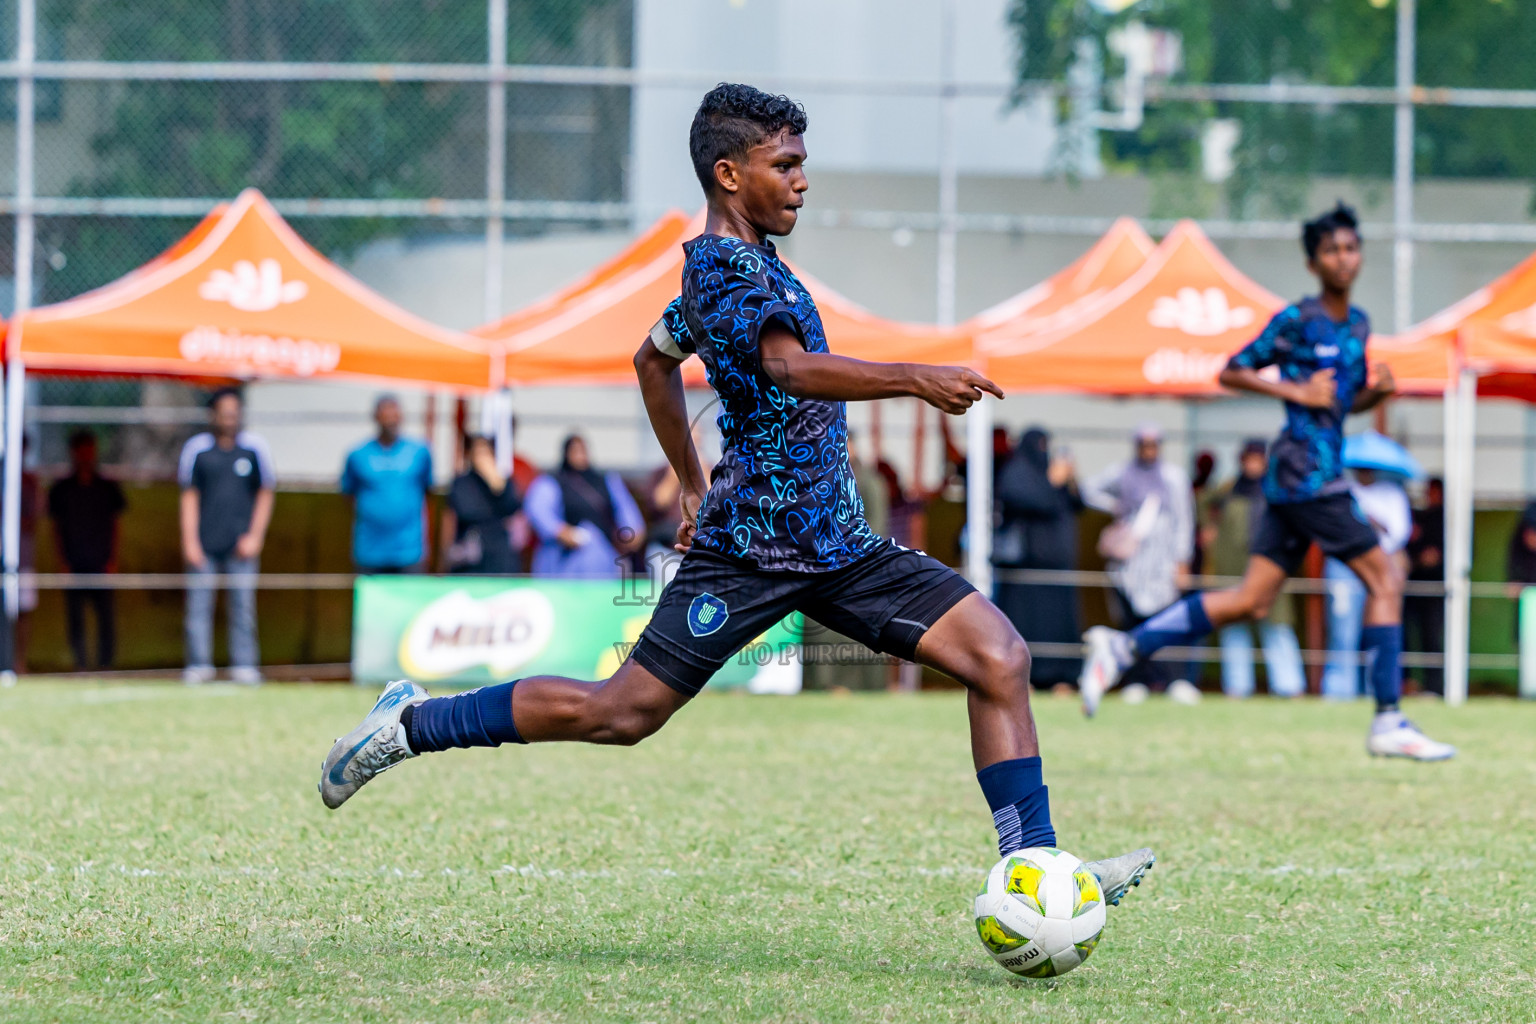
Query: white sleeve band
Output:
(665,343)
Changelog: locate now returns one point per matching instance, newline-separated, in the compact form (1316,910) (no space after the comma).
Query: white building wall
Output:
(877,41)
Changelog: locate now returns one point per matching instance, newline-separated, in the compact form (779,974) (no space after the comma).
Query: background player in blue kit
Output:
(1318,346)
(778,528)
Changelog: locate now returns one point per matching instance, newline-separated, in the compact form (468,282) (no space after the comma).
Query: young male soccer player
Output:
(1318,346)
(779,528)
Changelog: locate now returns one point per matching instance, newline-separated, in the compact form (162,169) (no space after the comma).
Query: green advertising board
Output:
(473,630)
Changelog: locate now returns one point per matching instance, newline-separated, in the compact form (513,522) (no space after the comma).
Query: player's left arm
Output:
(803,374)
(1381,386)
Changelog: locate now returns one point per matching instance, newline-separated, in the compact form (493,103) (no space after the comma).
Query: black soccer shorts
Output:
(1335,521)
(715,606)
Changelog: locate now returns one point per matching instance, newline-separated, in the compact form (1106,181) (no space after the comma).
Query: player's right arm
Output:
(661,386)
(1319,391)
(802,374)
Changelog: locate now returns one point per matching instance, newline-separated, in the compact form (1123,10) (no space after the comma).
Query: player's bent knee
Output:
(1003,666)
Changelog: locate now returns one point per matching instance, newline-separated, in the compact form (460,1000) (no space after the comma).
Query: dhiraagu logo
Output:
(706,614)
(457,632)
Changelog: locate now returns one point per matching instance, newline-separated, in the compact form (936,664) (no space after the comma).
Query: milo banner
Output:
(470,630)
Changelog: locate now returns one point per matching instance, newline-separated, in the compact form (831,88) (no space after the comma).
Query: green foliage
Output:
(1484,43)
(290,139)
(164,857)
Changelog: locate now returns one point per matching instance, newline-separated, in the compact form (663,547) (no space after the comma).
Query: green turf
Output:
(165,857)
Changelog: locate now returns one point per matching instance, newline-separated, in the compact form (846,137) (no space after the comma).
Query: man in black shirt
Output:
(226,503)
(85,508)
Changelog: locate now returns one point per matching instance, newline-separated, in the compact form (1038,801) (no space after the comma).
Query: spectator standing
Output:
(1424,617)
(1039,500)
(1147,548)
(1384,502)
(227,487)
(476,538)
(388,479)
(584,520)
(86,508)
(1229,514)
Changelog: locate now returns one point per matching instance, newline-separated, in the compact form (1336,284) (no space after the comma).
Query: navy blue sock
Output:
(1383,647)
(1020,802)
(475,718)
(1181,624)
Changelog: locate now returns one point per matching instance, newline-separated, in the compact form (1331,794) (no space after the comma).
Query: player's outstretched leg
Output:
(1381,641)
(1111,652)
(976,644)
(623,709)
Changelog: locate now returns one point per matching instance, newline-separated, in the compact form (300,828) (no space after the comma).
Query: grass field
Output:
(165,857)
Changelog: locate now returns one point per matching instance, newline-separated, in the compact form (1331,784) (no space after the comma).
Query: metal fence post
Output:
(495,157)
(26,55)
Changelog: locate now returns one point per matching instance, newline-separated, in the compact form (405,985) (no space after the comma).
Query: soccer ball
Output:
(1040,913)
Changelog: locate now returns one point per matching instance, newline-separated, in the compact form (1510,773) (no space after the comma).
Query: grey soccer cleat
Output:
(1117,875)
(377,744)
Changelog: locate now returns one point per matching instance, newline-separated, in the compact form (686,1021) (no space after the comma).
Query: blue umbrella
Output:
(1371,450)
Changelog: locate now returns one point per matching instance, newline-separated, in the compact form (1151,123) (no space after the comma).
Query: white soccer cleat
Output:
(376,745)
(1392,735)
(1107,659)
(1135,693)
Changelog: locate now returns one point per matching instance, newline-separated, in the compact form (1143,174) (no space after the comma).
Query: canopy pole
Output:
(1461,425)
(978,495)
(10,502)
(1402,170)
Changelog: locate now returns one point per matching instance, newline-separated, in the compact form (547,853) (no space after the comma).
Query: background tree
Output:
(1482,43)
(291,139)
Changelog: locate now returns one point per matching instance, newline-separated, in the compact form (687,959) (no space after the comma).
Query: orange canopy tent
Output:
(1491,332)
(588,332)
(1118,254)
(243,295)
(1168,329)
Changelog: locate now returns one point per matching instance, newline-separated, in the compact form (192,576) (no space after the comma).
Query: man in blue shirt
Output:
(388,479)
(1315,351)
(779,527)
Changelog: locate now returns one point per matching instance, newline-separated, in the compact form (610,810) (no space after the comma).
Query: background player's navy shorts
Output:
(715,606)
(1335,521)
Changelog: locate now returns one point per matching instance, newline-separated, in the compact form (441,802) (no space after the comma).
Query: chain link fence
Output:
(374,120)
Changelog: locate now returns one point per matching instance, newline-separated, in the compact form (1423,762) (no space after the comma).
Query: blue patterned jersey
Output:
(1307,459)
(783,495)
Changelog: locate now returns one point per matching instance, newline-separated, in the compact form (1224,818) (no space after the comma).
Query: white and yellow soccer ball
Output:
(1040,913)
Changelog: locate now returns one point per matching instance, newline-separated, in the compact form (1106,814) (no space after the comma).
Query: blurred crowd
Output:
(1153,527)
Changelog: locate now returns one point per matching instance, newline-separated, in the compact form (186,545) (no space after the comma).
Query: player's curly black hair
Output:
(1318,228)
(733,118)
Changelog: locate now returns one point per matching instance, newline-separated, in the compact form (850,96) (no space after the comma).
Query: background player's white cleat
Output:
(379,743)
(1108,656)
(1392,735)
(1182,691)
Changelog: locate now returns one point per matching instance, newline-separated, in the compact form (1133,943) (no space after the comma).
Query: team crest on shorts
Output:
(706,615)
